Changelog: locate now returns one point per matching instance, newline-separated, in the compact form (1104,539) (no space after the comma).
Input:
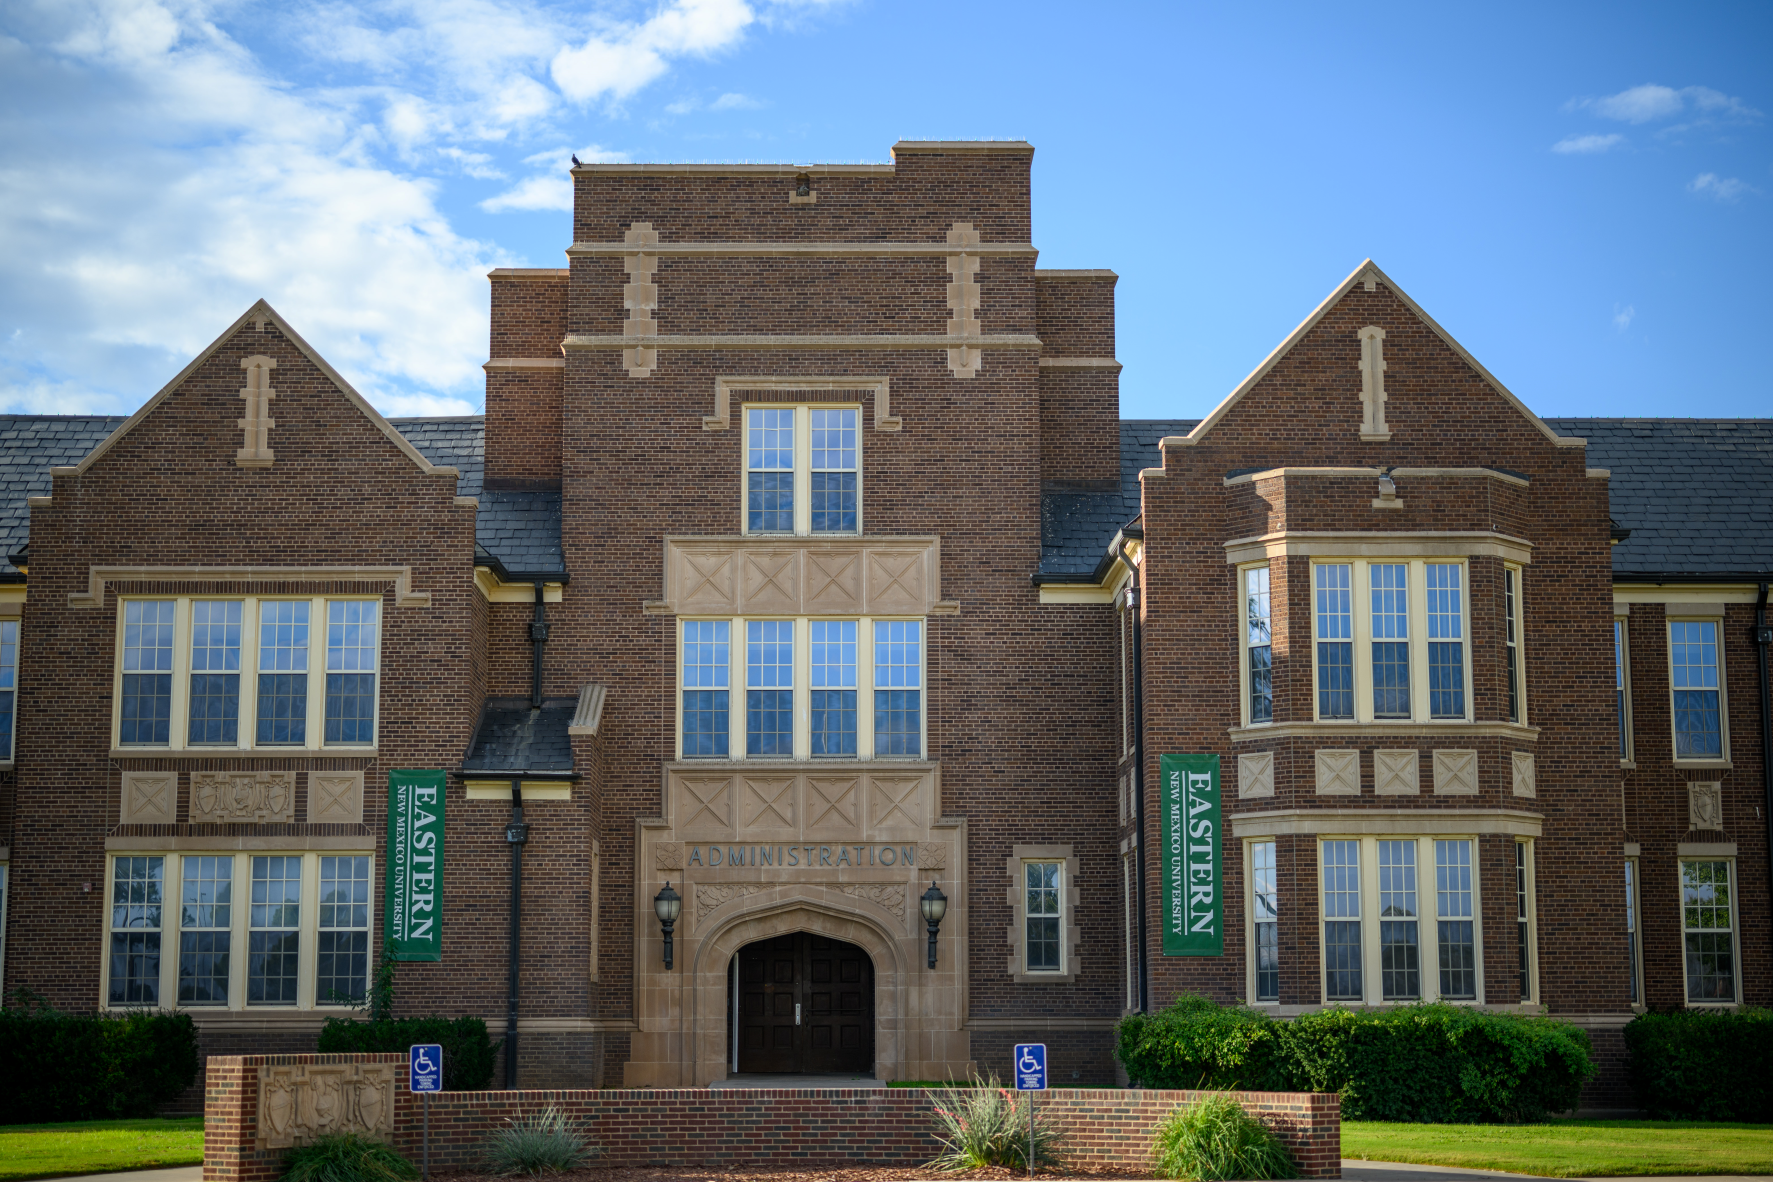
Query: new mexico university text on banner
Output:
(1193,856)
(415,864)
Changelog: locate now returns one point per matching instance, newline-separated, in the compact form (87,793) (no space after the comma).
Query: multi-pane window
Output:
(137,903)
(1335,642)
(1632,950)
(1707,924)
(1523,945)
(833,687)
(1458,950)
(898,688)
(803,470)
(341,953)
(1390,592)
(1693,663)
(215,671)
(283,671)
(834,469)
(1446,641)
(1511,635)
(1342,920)
(351,627)
(274,931)
(8,684)
(5,886)
(1400,963)
(1129,900)
(145,711)
(706,649)
(769,470)
(1622,685)
(1265,913)
(206,927)
(769,687)
(1043,916)
(1258,636)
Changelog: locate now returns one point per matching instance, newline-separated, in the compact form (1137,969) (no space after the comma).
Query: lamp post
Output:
(934,905)
(667,905)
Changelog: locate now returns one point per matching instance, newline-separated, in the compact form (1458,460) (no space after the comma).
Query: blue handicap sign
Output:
(1031,1066)
(426,1063)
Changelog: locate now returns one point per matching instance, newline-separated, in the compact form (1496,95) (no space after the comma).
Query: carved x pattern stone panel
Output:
(895,803)
(895,581)
(149,798)
(832,804)
(771,581)
(335,798)
(1397,773)
(1525,780)
(769,802)
(1338,773)
(1255,774)
(706,804)
(707,581)
(1455,773)
(834,581)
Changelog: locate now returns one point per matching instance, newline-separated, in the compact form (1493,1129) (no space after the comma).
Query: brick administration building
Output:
(852,581)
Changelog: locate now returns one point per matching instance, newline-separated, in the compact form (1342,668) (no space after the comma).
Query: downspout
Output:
(1138,707)
(538,636)
(1764,640)
(516,834)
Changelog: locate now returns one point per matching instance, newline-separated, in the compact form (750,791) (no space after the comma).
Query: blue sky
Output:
(1581,194)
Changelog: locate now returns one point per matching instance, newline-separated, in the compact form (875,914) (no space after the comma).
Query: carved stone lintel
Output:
(228,797)
(298,1103)
(668,855)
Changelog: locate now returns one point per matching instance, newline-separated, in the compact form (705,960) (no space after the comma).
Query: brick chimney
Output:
(524,376)
(1079,379)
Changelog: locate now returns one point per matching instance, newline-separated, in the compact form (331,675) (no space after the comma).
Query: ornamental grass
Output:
(986,1124)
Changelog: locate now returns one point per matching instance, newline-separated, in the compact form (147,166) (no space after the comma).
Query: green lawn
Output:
(1570,1148)
(99,1146)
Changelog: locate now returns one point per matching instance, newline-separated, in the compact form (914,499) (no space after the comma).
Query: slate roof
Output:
(1076,525)
(454,442)
(512,739)
(1696,494)
(30,445)
(516,532)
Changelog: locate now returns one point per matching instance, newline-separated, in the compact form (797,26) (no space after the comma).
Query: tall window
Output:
(769,687)
(1335,642)
(834,470)
(215,671)
(1512,637)
(1523,920)
(1446,641)
(1129,900)
(351,648)
(1400,967)
(834,687)
(283,672)
(1391,639)
(1260,643)
(137,900)
(1632,951)
(1707,923)
(1452,869)
(1265,907)
(274,935)
(8,684)
(898,688)
(146,707)
(5,888)
(341,955)
(769,470)
(705,655)
(1342,920)
(206,924)
(1693,661)
(1622,684)
(1044,916)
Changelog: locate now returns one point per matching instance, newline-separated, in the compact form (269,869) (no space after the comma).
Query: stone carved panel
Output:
(1397,773)
(768,802)
(886,802)
(1255,774)
(932,855)
(335,798)
(668,855)
(1338,773)
(895,803)
(149,798)
(1705,806)
(1455,773)
(299,1103)
(710,895)
(1525,778)
(889,895)
(705,804)
(833,804)
(803,576)
(234,797)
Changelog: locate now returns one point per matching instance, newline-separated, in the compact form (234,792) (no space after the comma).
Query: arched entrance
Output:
(804,1003)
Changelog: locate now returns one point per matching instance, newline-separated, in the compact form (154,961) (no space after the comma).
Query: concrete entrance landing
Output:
(761,1079)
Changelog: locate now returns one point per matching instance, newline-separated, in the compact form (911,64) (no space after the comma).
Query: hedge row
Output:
(1703,1064)
(468,1051)
(57,1066)
(1438,1063)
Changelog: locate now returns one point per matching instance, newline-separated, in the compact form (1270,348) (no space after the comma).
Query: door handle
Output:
(797,1013)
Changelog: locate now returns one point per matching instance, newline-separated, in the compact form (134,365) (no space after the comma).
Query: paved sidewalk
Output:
(169,1174)
(763,1080)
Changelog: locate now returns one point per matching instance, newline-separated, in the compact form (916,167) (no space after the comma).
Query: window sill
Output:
(1722,765)
(1326,730)
(243,752)
(1630,765)
(1026,978)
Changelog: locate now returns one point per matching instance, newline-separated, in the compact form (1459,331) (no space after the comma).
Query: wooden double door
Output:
(806,1004)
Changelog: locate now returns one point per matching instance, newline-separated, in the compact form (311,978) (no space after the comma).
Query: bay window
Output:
(802,470)
(1390,641)
(1378,913)
(1259,643)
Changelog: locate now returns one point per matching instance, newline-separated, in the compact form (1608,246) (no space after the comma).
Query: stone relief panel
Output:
(299,1103)
(668,855)
(232,797)
(803,576)
(833,805)
(1705,806)
(932,855)
(1525,779)
(1255,774)
(1338,773)
(710,895)
(704,805)
(769,802)
(771,580)
(1455,773)
(888,895)
(895,804)
(878,803)
(335,798)
(1397,773)
(149,798)
(834,582)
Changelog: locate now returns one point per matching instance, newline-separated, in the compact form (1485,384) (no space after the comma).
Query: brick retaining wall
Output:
(742,1127)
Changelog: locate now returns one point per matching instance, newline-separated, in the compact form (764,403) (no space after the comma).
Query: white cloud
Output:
(623,58)
(1710,184)
(1622,317)
(1587,144)
(551,188)
(734,102)
(1651,101)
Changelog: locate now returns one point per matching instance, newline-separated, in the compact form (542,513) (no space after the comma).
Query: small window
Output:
(834,470)
(898,688)
(206,924)
(1391,639)
(137,903)
(5,891)
(8,684)
(1633,952)
(1707,923)
(1265,910)
(274,931)
(341,955)
(1129,901)
(1335,642)
(705,689)
(1523,910)
(1259,640)
(803,470)
(1342,920)
(215,672)
(769,688)
(1044,916)
(834,688)
(1455,916)
(1446,641)
(1694,681)
(1622,684)
(769,470)
(351,647)
(1511,631)
(283,672)
(146,708)
(1400,966)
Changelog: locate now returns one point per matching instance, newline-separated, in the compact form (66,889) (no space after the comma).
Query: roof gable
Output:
(1369,273)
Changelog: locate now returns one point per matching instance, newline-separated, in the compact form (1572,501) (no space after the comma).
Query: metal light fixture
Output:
(667,905)
(934,905)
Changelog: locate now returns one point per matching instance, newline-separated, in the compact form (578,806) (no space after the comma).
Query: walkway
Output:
(761,1079)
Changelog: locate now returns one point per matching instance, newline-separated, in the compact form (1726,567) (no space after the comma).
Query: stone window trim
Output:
(1069,959)
(852,390)
(1427,914)
(246,742)
(1702,614)
(310,852)
(1723,853)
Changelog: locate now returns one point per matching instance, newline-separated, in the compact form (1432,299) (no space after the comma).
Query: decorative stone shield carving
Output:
(298,1103)
(227,797)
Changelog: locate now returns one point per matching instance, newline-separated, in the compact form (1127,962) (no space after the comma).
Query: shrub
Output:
(987,1125)
(468,1051)
(346,1157)
(1215,1139)
(1703,1064)
(543,1142)
(91,1066)
(1437,1063)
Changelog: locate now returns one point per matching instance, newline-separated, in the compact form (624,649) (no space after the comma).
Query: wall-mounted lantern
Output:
(934,906)
(667,905)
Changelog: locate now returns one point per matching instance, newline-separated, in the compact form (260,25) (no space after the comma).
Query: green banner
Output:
(1193,861)
(415,864)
